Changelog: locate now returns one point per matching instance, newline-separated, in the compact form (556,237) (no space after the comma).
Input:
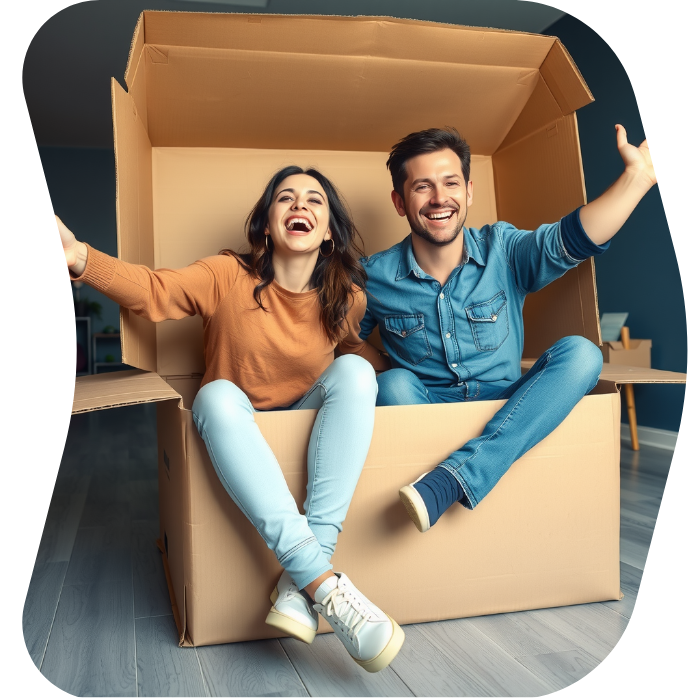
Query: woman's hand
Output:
(75,251)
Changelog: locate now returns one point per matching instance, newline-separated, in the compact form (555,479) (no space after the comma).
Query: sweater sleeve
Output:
(354,344)
(158,295)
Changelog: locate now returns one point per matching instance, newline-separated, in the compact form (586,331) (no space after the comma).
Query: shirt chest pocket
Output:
(408,337)
(489,322)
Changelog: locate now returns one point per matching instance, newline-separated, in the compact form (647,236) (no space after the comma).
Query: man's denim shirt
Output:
(469,332)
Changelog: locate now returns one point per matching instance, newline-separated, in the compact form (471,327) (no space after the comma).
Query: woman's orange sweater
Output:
(274,356)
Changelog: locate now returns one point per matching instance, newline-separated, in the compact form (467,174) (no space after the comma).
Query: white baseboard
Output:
(654,437)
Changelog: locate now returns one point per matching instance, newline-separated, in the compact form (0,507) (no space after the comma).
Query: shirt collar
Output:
(408,264)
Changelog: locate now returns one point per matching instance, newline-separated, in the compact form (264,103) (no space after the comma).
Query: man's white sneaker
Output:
(371,637)
(291,611)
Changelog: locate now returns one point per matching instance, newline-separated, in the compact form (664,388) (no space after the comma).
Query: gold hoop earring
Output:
(332,250)
(267,247)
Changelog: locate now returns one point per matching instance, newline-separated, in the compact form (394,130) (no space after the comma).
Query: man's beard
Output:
(420,230)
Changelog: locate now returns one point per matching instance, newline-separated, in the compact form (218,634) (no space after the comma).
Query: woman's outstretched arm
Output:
(156,295)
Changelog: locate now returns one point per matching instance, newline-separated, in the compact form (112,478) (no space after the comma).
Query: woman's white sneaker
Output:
(291,611)
(371,637)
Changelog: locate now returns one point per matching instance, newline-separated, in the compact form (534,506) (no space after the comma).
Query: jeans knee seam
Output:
(318,441)
(503,422)
(296,548)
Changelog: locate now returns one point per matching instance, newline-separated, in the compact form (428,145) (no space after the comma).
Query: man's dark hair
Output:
(426,141)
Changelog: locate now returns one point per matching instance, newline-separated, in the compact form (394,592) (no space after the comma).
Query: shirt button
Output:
(403,334)
(454,364)
(447,335)
(493,317)
(442,296)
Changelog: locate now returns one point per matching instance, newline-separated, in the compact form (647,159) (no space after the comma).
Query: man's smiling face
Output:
(435,196)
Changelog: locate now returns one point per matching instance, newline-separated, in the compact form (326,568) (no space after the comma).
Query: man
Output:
(448,302)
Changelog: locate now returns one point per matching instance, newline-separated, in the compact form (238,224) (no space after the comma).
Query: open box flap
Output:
(99,391)
(192,54)
(625,374)
(132,154)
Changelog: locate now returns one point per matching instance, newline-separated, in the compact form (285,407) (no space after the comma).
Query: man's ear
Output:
(397,199)
(470,193)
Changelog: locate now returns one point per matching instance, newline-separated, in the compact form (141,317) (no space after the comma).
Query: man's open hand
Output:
(636,160)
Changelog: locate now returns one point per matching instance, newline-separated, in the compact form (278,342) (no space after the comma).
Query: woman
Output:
(272,320)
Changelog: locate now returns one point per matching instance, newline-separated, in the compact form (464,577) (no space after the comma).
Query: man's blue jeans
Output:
(345,395)
(536,404)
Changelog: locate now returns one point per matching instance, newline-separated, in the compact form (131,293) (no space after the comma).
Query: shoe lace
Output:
(347,608)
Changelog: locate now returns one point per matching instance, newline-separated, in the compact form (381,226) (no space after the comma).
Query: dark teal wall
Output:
(82,188)
(639,272)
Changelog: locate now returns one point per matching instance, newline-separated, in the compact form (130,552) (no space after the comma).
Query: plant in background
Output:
(84,306)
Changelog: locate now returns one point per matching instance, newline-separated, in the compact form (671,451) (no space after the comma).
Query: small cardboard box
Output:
(215,104)
(638,354)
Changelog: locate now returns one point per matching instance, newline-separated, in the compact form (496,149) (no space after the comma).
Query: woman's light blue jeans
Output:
(345,395)
(536,404)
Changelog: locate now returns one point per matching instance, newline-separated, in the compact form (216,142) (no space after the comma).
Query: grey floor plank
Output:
(151,595)
(164,669)
(100,554)
(634,545)
(630,578)
(489,669)
(40,607)
(62,522)
(595,627)
(108,501)
(560,669)
(640,503)
(249,669)
(519,634)
(632,518)
(426,671)
(91,648)
(327,670)
(143,499)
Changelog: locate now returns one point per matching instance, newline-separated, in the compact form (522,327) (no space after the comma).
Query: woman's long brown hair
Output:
(335,276)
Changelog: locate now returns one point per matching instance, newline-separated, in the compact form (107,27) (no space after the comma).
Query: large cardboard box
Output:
(215,104)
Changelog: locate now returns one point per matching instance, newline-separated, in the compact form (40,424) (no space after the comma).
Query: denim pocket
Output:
(408,337)
(489,322)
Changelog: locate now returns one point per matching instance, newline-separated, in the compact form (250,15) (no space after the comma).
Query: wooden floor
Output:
(97,620)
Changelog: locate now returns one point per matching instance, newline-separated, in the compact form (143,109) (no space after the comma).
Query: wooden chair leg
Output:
(629,395)
(632,416)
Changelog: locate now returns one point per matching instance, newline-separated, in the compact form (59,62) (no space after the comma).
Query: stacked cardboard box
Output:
(637,355)
(215,104)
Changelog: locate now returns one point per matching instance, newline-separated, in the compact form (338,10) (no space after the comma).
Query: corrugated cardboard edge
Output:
(627,374)
(255,16)
(97,392)
(183,637)
(137,41)
(569,94)
(134,211)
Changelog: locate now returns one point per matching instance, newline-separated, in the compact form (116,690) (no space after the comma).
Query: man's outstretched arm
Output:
(603,217)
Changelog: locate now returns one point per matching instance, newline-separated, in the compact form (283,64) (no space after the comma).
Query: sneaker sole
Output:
(388,654)
(415,507)
(288,625)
